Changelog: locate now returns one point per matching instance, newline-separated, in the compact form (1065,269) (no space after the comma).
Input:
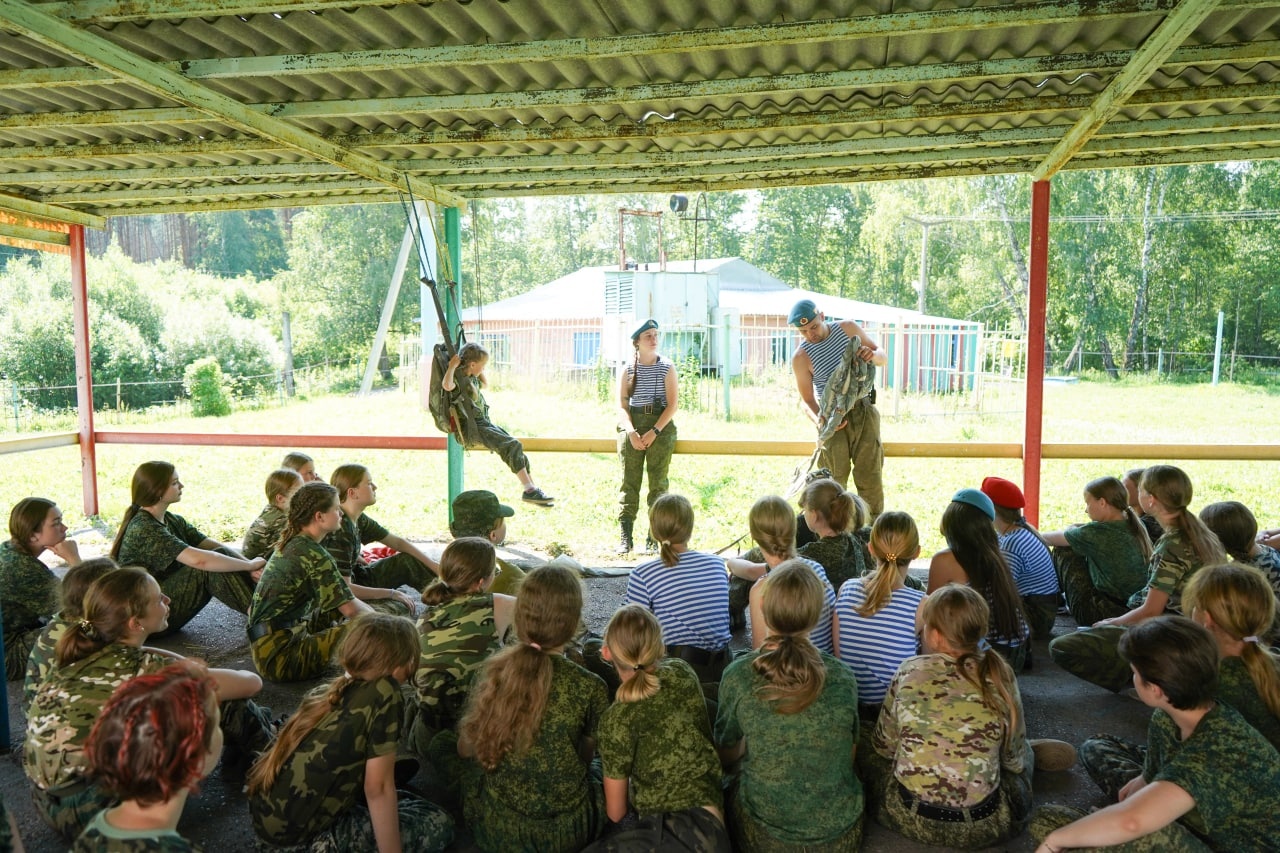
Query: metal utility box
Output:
(683,303)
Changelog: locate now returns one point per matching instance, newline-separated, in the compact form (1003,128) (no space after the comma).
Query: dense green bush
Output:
(205,385)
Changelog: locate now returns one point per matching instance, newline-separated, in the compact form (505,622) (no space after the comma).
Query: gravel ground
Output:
(1056,705)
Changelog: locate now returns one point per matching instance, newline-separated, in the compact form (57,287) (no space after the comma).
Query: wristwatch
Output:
(657,431)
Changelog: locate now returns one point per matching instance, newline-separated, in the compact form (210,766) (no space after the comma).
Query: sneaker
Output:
(537,496)
(1053,755)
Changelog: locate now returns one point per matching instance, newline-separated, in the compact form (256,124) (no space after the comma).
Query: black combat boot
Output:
(626,544)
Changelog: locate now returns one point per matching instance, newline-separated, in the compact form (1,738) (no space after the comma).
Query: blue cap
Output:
(644,327)
(975,498)
(803,313)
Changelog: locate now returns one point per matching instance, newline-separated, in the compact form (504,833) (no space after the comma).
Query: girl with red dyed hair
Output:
(158,736)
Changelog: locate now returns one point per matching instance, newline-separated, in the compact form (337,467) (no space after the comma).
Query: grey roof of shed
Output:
(111,107)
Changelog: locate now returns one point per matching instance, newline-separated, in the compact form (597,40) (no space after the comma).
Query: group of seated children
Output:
(863,693)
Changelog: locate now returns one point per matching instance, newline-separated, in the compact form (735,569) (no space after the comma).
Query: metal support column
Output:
(1038,298)
(84,374)
(453,245)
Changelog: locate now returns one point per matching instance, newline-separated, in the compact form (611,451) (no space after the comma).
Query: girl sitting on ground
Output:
(28,590)
(463,624)
(1231,601)
(96,655)
(410,567)
(530,726)
(75,584)
(952,765)
(789,714)
(1237,529)
(290,635)
(655,747)
(837,517)
(1102,563)
(1026,555)
(973,557)
(1186,546)
(191,567)
(303,464)
(329,780)
(773,527)
(876,615)
(687,590)
(263,534)
(158,736)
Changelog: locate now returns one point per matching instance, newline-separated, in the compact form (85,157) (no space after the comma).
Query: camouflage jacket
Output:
(69,702)
(1236,688)
(345,543)
(298,582)
(457,637)
(844,556)
(1173,562)
(263,534)
(947,747)
(101,837)
(156,546)
(42,660)
(28,591)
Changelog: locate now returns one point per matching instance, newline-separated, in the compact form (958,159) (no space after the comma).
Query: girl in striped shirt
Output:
(647,400)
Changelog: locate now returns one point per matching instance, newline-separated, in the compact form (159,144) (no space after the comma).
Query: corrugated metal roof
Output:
(116,107)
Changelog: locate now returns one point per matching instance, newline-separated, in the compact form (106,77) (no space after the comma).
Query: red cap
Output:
(1003,493)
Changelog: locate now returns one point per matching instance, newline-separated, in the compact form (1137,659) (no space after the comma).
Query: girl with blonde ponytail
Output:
(1235,603)
(788,713)
(530,724)
(876,615)
(655,746)
(341,743)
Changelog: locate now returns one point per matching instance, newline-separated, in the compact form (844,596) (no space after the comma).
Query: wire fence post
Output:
(17,411)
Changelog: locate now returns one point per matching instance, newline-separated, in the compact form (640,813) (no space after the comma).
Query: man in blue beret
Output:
(855,444)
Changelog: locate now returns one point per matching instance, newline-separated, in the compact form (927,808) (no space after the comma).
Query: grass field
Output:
(224,485)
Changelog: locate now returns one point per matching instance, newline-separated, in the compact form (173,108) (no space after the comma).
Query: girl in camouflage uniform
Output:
(1237,529)
(305,793)
(96,655)
(44,653)
(158,736)
(530,726)
(789,713)
(263,534)
(191,567)
(28,590)
(838,518)
(951,765)
(661,773)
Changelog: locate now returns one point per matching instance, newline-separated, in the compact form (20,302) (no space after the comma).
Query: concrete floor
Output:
(1056,705)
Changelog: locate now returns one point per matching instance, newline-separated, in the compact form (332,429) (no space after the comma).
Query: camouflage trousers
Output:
(17,651)
(1174,838)
(1094,655)
(752,836)
(190,589)
(70,813)
(1042,612)
(1112,762)
(424,826)
(656,460)
(739,602)
(857,449)
(885,803)
(694,830)
(295,654)
(1087,603)
(393,572)
(247,729)
(497,439)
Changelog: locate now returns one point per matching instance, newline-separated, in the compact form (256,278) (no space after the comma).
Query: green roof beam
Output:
(215,191)
(169,173)
(49,212)
(34,235)
(1171,33)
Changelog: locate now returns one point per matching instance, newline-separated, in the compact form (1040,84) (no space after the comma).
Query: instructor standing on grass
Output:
(855,444)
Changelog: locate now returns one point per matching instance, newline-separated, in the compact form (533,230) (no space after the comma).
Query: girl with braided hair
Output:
(301,583)
(158,736)
(789,714)
(305,794)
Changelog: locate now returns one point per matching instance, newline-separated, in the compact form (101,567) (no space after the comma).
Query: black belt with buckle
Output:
(260,630)
(654,408)
(984,809)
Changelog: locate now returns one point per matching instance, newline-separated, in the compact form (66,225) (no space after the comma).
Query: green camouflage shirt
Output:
(42,660)
(947,748)
(457,637)
(1229,769)
(29,592)
(345,543)
(797,774)
(155,546)
(324,776)
(844,556)
(264,533)
(69,702)
(101,837)
(663,745)
(1113,556)
(1237,689)
(1173,562)
(297,583)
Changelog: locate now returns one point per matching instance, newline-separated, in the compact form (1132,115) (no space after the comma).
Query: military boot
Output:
(626,544)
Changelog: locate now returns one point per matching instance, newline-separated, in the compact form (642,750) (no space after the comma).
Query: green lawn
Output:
(224,485)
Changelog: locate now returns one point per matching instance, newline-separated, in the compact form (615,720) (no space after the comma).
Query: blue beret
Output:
(803,313)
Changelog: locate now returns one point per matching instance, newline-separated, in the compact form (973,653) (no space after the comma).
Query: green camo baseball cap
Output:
(475,511)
